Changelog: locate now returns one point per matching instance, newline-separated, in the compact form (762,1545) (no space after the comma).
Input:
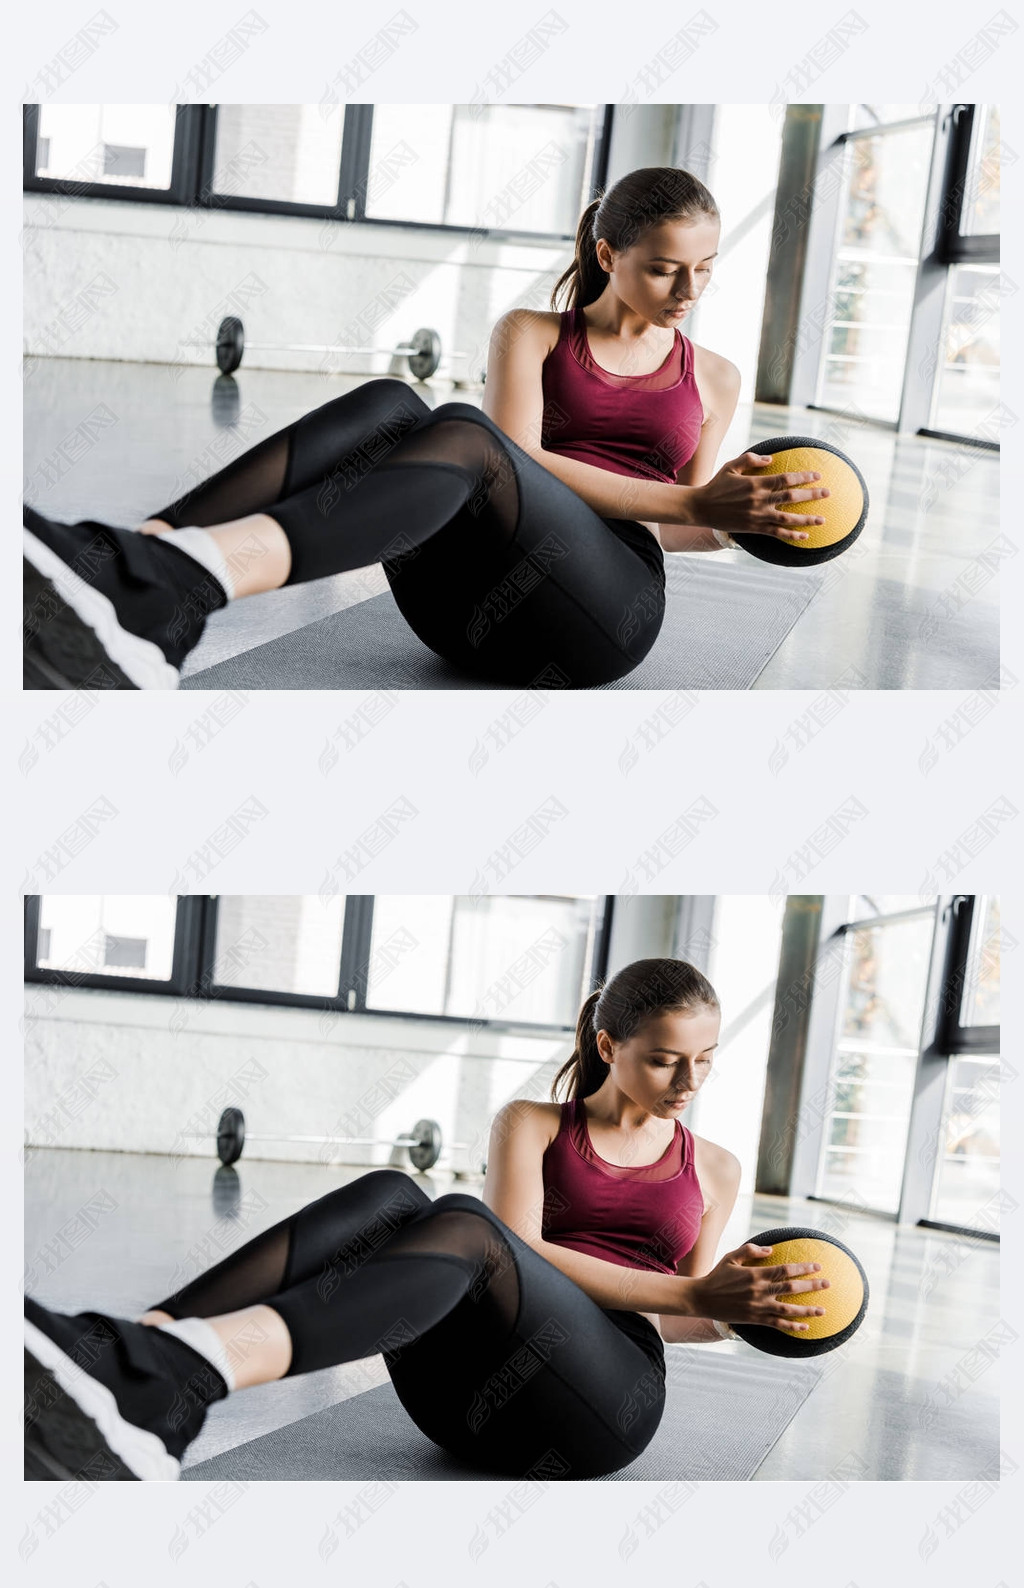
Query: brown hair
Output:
(647,987)
(634,203)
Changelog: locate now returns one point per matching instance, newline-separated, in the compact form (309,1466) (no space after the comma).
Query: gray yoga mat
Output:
(722,626)
(723,1413)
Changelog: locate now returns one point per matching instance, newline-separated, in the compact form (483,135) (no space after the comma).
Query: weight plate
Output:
(230,1135)
(230,344)
(427,1147)
(427,355)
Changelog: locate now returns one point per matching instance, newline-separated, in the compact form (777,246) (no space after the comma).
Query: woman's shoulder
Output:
(713,1162)
(544,1118)
(542,326)
(713,370)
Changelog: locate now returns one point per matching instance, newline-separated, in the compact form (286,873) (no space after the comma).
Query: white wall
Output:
(743,177)
(122,280)
(129,1072)
(743,969)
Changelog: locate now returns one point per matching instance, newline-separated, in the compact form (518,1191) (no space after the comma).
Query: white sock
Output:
(200,545)
(202,1337)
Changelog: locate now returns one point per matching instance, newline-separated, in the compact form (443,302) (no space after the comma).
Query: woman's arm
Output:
(514,1190)
(720,1181)
(514,399)
(722,390)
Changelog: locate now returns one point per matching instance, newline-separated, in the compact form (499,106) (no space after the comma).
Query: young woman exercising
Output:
(522,1332)
(524,543)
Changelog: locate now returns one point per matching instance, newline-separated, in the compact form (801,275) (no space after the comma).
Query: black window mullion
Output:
(185,969)
(205,944)
(354,177)
(356,938)
(32,902)
(206,154)
(30,122)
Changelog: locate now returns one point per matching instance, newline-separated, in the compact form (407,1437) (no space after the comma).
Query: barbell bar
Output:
(423,349)
(423,1142)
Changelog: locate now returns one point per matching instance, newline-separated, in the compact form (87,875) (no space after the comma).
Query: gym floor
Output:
(914,1395)
(913,605)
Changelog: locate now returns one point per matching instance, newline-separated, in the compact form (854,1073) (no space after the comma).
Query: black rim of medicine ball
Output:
(776,1342)
(780,551)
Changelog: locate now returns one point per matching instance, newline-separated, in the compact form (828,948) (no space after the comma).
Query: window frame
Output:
(186,928)
(192,172)
(181,191)
(941,1040)
(195,938)
(942,248)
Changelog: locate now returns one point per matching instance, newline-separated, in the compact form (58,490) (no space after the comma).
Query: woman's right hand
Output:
(742,502)
(735,1292)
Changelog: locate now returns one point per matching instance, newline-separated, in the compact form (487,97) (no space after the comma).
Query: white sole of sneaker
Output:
(139,1449)
(142,660)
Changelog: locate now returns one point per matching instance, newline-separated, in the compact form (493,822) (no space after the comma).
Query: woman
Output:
(523,543)
(522,1329)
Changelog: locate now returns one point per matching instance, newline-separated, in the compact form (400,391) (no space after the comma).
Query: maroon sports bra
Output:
(640,1216)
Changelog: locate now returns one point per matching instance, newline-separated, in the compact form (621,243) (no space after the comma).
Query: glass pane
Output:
(881,115)
(280,943)
(981,199)
(128,144)
(873,273)
(107,934)
(512,167)
(967,1185)
(519,958)
(967,386)
(981,989)
(873,1067)
(285,152)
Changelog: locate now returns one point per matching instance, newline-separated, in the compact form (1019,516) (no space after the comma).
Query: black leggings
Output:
(496,1354)
(495,563)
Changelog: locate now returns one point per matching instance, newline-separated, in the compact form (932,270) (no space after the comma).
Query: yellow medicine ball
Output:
(845,1300)
(844,509)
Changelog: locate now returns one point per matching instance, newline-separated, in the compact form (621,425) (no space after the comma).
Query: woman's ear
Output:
(605,1047)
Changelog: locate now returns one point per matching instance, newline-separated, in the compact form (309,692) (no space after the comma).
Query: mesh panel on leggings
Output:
(400,1293)
(472,447)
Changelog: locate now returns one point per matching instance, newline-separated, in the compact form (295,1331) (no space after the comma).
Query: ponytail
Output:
(584,278)
(636,202)
(635,993)
(585,1065)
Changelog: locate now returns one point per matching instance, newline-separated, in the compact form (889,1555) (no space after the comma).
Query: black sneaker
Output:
(109,608)
(106,1398)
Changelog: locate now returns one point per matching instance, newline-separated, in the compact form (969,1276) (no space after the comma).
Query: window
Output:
(900,1088)
(287,153)
(901,293)
(106,143)
(874,269)
(523,168)
(874,1061)
(523,958)
(125,952)
(286,944)
(966,1184)
(476,168)
(97,937)
(519,959)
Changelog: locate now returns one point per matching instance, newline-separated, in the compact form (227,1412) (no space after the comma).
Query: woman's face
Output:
(664,1064)
(662,276)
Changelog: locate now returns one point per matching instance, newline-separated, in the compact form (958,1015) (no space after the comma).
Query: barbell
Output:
(423,349)
(423,1141)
